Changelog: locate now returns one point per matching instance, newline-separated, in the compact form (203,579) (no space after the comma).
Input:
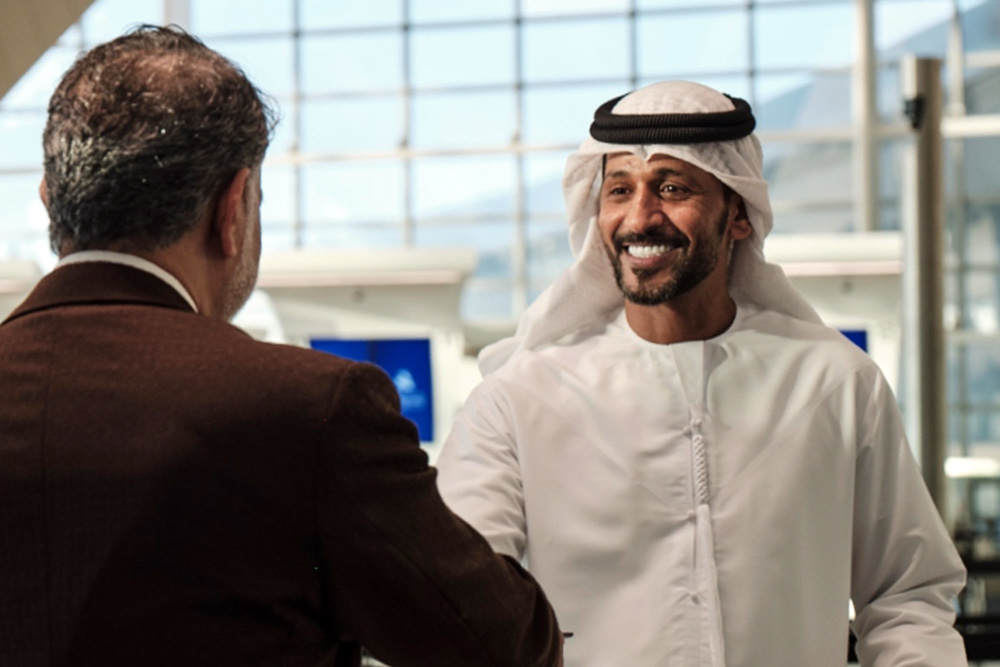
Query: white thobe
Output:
(711,502)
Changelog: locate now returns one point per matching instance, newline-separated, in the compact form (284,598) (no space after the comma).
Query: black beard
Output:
(689,270)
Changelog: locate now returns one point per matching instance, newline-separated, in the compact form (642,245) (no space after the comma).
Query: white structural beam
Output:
(864,118)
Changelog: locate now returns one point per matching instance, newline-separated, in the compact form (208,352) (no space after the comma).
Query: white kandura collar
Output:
(623,328)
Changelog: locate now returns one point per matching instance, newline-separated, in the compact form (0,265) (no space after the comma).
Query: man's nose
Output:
(645,211)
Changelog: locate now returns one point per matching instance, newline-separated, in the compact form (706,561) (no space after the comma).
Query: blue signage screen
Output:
(407,361)
(857,336)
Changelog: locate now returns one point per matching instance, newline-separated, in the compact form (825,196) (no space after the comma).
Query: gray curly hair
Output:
(142,134)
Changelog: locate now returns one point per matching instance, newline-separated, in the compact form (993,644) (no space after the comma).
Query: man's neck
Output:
(681,319)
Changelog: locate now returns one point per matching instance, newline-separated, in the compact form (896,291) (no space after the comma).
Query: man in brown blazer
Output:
(173,492)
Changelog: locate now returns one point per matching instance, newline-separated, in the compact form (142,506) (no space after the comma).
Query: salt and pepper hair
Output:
(143,133)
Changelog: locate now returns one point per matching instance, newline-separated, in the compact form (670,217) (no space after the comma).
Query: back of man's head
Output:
(142,133)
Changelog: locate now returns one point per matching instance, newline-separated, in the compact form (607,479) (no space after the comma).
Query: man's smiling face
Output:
(665,224)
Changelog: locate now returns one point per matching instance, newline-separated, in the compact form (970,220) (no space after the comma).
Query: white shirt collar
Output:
(129,260)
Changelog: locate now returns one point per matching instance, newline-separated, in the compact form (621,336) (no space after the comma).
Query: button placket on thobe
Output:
(690,358)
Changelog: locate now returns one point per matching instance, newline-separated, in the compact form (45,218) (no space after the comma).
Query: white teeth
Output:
(646,251)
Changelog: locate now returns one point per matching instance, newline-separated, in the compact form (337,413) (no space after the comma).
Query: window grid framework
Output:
(518,279)
(519,282)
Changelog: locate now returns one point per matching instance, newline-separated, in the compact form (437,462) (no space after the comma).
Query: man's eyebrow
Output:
(661,172)
(667,171)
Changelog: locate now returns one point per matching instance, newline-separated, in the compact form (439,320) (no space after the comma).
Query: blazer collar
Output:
(92,283)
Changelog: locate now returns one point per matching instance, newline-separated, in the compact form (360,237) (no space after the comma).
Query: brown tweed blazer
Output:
(173,492)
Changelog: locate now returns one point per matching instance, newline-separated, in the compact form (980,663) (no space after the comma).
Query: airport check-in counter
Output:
(397,308)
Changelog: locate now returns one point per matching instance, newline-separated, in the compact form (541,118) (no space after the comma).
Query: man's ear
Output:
(230,212)
(43,192)
(739,225)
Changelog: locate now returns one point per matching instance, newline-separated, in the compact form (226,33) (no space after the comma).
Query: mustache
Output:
(652,237)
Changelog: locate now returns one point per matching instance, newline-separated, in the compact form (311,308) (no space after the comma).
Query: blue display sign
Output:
(857,336)
(407,361)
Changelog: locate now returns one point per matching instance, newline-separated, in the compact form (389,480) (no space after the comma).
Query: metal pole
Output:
(923,301)
(957,211)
